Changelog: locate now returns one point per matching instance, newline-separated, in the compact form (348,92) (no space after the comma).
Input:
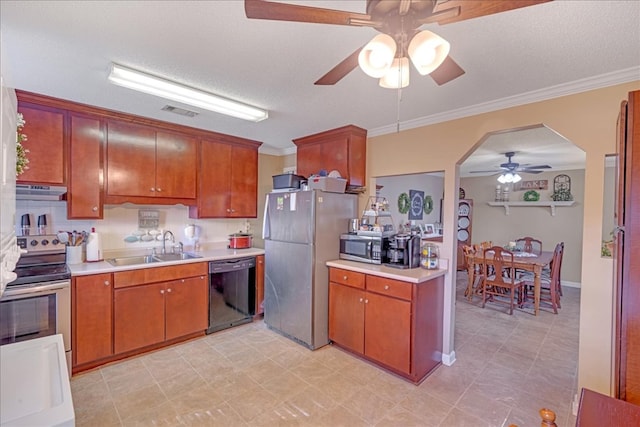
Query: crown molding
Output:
(577,86)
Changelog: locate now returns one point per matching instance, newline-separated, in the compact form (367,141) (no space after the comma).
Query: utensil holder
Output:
(74,254)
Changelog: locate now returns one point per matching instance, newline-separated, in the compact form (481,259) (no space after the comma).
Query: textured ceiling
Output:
(63,49)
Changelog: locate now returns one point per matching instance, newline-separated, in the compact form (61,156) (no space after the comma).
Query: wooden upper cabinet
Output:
(146,163)
(131,160)
(85,191)
(342,149)
(44,128)
(176,157)
(227,181)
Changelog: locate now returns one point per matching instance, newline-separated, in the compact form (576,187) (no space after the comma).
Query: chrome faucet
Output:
(164,240)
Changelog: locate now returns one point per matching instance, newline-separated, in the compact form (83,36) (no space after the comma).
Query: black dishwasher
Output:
(232,292)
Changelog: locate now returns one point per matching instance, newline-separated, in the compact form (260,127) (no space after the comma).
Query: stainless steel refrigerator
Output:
(301,231)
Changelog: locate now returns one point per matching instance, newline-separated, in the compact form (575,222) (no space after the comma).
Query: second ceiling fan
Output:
(399,21)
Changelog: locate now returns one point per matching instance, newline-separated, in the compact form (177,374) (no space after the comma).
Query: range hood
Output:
(40,192)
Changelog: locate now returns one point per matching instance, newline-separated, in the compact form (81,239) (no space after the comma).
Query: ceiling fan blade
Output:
(530,171)
(492,171)
(475,9)
(537,167)
(339,71)
(446,72)
(441,15)
(262,9)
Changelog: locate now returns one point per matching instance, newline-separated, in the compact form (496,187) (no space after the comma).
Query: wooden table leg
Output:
(537,270)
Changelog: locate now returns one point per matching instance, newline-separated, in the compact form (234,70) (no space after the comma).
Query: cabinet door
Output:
(259,284)
(93,318)
(335,155)
(309,160)
(175,166)
(187,306)
(346,316)
(387,337)
(244,183)
(131,160)
(213,180)
(138,317)
(44,129)
(84,197)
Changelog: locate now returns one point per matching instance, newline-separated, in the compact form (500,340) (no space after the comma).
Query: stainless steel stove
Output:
(38,302)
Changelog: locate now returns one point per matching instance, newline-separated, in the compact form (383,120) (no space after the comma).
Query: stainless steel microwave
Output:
(354,247)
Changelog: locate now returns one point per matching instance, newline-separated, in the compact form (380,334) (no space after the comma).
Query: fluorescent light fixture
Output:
(167,89)
(509,177)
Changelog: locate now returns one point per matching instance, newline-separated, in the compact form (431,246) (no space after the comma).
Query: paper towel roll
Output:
(94,249)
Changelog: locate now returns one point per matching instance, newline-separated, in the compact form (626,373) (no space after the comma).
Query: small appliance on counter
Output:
(240,241)
(403,251)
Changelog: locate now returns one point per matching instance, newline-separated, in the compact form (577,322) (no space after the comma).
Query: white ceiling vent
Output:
(180,111)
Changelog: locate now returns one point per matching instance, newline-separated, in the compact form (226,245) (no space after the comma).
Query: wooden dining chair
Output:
(529,244)
(549,286)
(501,284)
(475,284)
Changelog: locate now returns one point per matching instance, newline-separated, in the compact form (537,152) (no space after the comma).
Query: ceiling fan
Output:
(400,22)
(513,167)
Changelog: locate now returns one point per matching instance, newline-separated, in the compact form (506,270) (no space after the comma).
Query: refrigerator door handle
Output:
(266,232)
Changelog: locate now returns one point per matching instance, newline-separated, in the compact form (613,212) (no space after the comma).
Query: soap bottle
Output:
(94,249)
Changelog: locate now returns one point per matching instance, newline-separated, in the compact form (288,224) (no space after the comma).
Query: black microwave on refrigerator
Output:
(369,249)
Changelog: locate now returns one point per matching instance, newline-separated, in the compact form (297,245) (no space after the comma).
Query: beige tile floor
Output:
(507,368)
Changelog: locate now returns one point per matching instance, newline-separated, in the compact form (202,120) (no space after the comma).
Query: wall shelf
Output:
(551,204)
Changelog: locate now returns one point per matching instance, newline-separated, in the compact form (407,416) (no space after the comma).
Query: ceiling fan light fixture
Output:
(509,177)
(377,56)
(428,51)
(167,89)
(397,76)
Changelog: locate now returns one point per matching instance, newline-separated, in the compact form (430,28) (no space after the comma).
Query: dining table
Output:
(523,261)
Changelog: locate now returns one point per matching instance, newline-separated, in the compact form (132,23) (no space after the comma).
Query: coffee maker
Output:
(403,251)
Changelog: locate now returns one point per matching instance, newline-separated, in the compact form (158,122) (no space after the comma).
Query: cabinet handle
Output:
(361,299)
(152,189)
(344,277)
(162,291)
(228,210)
(169,290)
(95,209)
(386,287)
(182,280)
(158,189)
(366,301)
(106,283)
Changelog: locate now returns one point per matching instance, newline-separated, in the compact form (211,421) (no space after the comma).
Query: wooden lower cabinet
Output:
(395,324)
(145,315)
(115,315)
(187,307)
(92,318)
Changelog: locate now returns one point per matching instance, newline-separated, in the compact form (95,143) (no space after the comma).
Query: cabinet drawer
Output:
(143,276)
(346,277)
(390,287)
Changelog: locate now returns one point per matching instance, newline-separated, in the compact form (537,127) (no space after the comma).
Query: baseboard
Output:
(571,284)
(449,359)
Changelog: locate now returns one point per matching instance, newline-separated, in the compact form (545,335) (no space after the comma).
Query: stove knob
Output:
(34,243)
(55,241)
(45,242)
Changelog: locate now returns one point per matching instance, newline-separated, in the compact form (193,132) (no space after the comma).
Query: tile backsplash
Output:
(121,221)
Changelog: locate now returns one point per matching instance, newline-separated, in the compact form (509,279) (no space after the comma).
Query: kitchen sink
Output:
(132,260)
(175,257)
(149,259)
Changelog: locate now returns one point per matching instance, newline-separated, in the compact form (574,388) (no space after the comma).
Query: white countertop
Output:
(413,275)
(206,254)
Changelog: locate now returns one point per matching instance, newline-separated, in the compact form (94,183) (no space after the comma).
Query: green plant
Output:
(562,196)
(21,152)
